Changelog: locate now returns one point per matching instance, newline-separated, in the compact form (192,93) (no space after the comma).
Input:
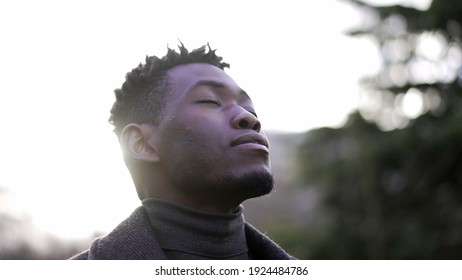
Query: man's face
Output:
(211,143)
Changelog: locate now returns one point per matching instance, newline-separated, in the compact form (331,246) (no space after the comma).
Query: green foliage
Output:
(392,182)
(394,195)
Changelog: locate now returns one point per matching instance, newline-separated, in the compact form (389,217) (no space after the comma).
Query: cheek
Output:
(192,142)
(194,138)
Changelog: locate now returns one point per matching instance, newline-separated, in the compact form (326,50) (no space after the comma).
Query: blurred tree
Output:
(391,178)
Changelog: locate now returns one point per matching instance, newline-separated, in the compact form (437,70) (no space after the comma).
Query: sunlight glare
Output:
(413,105)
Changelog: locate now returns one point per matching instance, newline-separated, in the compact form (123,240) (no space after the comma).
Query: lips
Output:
(251,140)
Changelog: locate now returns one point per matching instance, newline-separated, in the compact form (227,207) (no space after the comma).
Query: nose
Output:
(246,120)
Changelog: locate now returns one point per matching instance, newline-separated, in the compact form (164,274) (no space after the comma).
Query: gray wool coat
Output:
(134,239)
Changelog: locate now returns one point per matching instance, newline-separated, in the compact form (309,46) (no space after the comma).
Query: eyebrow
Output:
(215,84)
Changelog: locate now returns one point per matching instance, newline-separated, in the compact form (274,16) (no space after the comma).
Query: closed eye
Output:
(209,101)
(252,112)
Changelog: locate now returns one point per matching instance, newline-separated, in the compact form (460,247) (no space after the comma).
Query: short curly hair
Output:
(141,98)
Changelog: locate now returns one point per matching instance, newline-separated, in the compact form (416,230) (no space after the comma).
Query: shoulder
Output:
(131,239)
(262,247)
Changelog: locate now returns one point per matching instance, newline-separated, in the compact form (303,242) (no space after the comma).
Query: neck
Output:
(205,203)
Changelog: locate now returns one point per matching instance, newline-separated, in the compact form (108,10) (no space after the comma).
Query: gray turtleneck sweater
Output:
(197,235)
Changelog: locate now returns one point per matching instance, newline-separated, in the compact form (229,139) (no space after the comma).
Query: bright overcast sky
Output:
(61,61)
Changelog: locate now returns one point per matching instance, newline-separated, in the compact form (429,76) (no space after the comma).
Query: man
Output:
(194,147)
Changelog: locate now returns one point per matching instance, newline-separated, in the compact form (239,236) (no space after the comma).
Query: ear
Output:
(136,142)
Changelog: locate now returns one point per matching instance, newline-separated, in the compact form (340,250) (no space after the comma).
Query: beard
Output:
(248,185)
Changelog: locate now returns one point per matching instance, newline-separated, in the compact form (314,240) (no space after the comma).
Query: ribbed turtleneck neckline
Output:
(186,233)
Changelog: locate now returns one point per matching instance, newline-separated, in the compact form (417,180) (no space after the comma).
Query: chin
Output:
(248,185)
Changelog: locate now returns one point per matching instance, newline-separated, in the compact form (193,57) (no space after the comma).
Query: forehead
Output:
(183,77)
